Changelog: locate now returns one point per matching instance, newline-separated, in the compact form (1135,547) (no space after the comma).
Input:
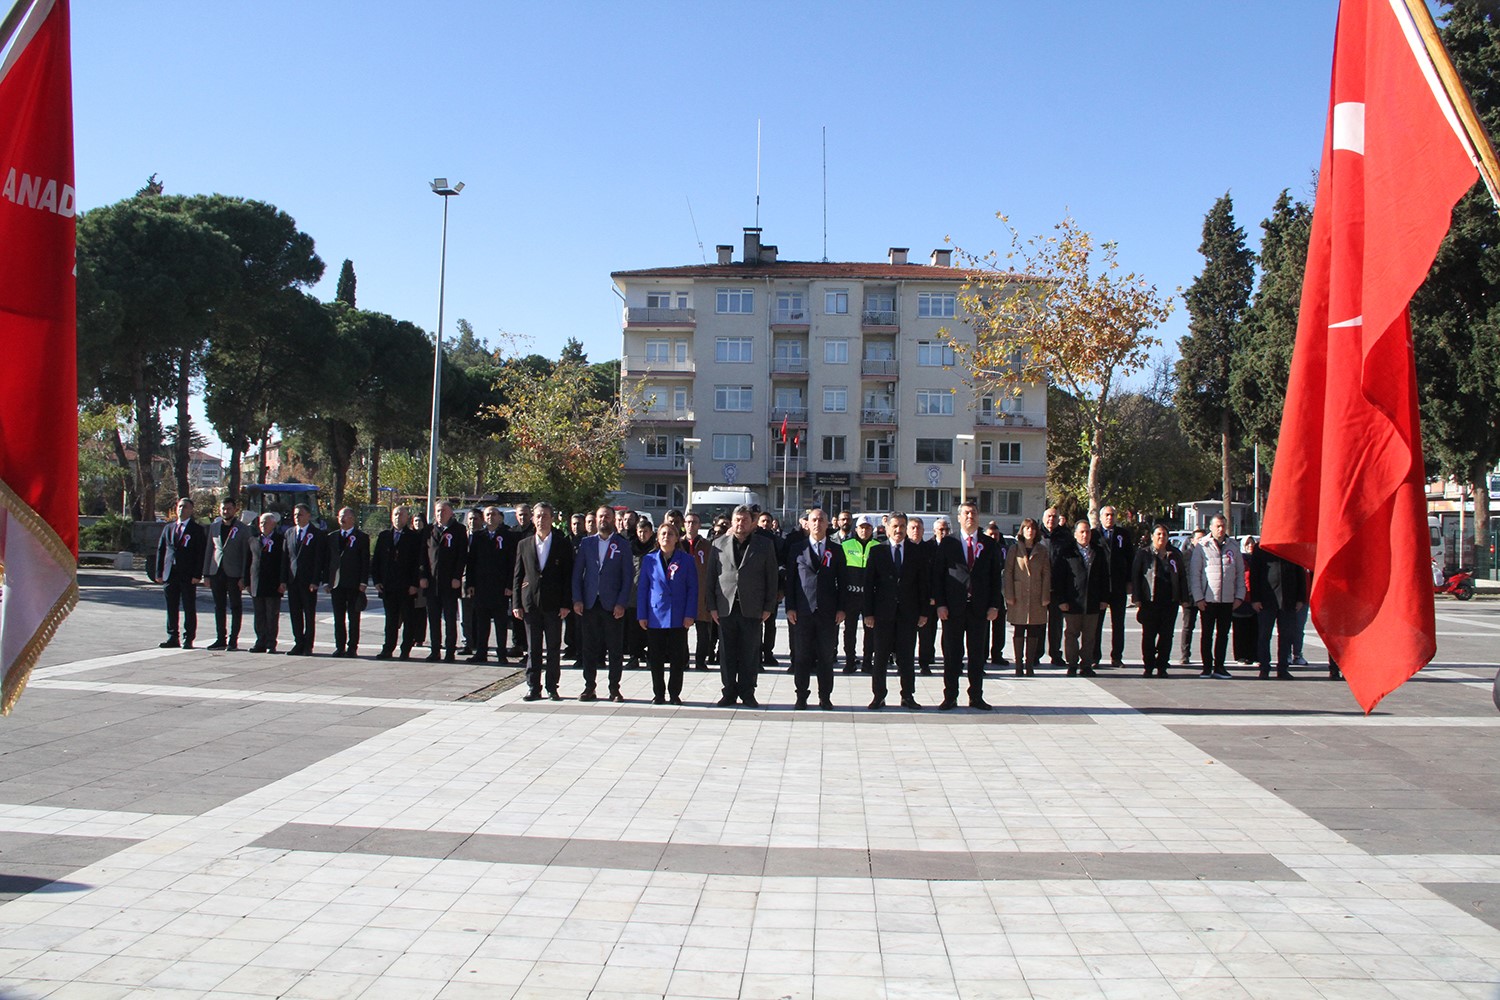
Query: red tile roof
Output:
(876,271)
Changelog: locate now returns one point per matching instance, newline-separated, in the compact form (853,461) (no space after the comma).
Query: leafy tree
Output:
(1065,318)
(394,393)
(1216,301)
(468,350)
(1456,313)
(347,282)
(1153,464)
(1263,363)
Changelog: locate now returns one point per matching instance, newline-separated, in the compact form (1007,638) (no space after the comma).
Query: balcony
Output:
(1010,470)
(879,319)
(879,467)
(640,364)
(877,416)
(637,462)
(879,367)
(791,414)
(790,319)
(655,317)
(995,418)
(789,367)
(664,416)
(796,466)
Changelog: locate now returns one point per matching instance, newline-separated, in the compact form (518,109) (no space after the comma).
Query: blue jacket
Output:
(665,596)
(612,584)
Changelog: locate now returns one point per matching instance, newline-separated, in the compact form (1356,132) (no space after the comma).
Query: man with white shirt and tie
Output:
(178,567)
(814,590)
(542,598)
(967,590)
(603,573)
(896,606)
(305,565)
(226,562)
(347,576)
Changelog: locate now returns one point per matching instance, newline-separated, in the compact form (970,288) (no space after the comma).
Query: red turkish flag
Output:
(38,379)
(1347,496)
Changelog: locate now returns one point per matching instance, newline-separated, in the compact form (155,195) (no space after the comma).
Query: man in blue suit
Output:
(603,578)
(814,589)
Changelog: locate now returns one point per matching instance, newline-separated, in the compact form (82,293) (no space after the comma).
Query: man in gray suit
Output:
(742,573)
(226,564)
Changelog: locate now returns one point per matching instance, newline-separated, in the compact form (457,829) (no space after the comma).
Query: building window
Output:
(666,352)
(935,305)
(732,447)
(836,399)
(740,301)
(1007,452)
(666,300)
(833,448)
(1008,502)
(789,308)
(934,354)
(934,403)
(938,501)
(877,498)
(986,501)
(734,398)
(836,301)
(679,400)
(935,451)
(835,352)
(787,399)
(656,446)
(883,302)
(656,494)
(734,350)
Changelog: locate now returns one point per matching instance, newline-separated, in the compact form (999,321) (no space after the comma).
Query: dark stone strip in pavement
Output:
(1029,715)
(31,862)
(806,862)
(1480,899)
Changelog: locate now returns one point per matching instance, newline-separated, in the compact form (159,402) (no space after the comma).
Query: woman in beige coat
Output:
(1028,589)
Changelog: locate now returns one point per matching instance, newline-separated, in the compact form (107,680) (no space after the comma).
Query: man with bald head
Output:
(447,555)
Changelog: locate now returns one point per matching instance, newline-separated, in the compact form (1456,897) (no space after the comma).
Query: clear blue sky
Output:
(583,130)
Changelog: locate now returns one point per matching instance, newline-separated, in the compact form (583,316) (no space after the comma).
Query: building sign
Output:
(830,479)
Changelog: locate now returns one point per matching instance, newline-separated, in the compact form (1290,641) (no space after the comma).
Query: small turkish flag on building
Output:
(1347,495)
(38,377)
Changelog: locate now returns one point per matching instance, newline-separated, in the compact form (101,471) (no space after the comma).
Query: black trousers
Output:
(267,620)
(303,605)
(1158,622)
(854,629)
(768,638)
(666,649)
(183,595)
(490,616)
(967,630)
(442,609)
(1029,641)
(739,653)
(894,637)
(570,635)
(815,650)
(345,617)
(1116,605)
(228,603)
(1213,640)
(927,641)
(1054,634)
(1246,631)
(997,638)
(703,629)
(1285,621)
(543,650)
(466,621)
(401,620)
(602,642)
(1185,641)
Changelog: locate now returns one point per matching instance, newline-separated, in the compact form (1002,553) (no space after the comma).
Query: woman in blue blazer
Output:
(666,599)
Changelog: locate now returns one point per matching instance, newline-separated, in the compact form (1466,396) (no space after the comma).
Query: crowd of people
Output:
(614,591)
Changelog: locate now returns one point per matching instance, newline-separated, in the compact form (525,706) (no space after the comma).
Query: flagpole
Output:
(13,21)
(1488,163)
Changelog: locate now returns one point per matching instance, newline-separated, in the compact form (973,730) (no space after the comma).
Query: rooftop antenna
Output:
(701,253)
(757,173)
(825,194)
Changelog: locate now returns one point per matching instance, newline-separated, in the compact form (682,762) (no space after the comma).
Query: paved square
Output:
(182,824)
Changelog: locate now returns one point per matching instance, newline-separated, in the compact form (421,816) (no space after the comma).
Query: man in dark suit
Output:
(267,580)
(1278,592)
(226,561)
(602,593)
(967,585)
(744,576)
(1119,552)
(1080,590)
(814,592)
(896,606)
(522,529)
(541,591)
(1056,536)
(347,575)
(447,554)
(491,569)
(306,566)
(927,634)
(765,525)
(178,567)
(397,571)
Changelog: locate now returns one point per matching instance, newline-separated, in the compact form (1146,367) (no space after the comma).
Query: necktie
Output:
(818,551)
(972,546)
(397,538)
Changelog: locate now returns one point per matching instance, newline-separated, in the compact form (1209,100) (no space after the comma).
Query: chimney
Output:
(752,245)
(942,258)
(768,254)
(726,253)
(898,254)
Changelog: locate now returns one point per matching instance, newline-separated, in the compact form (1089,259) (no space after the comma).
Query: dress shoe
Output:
(1161,671)
(1002,661)
(1087,672)
(434,656)
(217,644)
(588,696)
(554,696)
(849,668)
(171,643)
(725,702)
(769,660)
(911,703)
(675,699)
(1072,671)
(1206,673)
(1020,671)
(1030,671)
(187,644)
(338,652)
(749,701)
(980,705)
(1117,662)
(477,658)
(948,705)
(465,650)
(234,646)
(384,654)
(658,700)
(617,697)
(449,657)
(1285,675)
(877,704)
(256,649)
(926,671)
(826,704)
(532,696)
(406,654)
(1222,674)
(1148,671)
(801,703)
(1334,674)
(1265,673)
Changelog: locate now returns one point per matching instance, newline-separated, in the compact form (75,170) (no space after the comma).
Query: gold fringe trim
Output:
(29,520)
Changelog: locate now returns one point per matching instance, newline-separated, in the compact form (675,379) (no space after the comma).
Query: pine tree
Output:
(1217,302)
(347,283)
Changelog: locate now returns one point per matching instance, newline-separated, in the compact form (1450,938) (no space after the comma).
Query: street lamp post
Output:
(439,187)
(963,468)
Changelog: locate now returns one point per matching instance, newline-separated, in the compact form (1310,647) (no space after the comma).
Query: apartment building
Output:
(852,359)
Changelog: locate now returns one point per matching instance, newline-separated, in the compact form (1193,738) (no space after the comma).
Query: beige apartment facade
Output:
(852,359)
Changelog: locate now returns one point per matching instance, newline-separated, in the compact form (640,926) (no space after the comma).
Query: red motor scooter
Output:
(1460,585)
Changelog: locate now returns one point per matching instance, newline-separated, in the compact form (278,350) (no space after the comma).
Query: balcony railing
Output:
(790,317)
(788,366)
(877,415)
(791,414)
(663,415)
(644,461)
(880,465)
(657,316)
(886,367)
(1021,470)
(797,464)
(641,363)
(878,317)
(997,418)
